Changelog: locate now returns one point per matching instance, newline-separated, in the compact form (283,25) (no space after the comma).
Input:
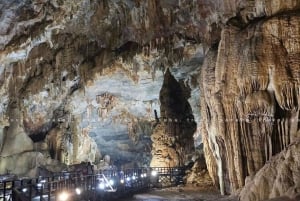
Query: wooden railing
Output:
(97,186)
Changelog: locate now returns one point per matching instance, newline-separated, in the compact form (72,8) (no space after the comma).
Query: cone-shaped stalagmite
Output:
(173,135)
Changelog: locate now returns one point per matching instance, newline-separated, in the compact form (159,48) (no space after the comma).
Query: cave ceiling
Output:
(94,68)
(81,79)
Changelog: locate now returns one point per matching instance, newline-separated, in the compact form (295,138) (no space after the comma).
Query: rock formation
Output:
(84,77)
(172,138)
(280,176)
(250,99)
(196,172)
(80,80)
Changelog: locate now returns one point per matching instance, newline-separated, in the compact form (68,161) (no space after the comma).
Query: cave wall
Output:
(84,77)
(249,105)
(77,77)
(280,176)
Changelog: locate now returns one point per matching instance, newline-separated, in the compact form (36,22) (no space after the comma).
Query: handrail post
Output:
(41,193)
(30,190)
(4,191)
(49,190)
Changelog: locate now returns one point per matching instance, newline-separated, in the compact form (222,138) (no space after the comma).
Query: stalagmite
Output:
(172,141)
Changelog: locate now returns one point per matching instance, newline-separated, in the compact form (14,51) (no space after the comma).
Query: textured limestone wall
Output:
(280,176)
(251,97)
(85,76)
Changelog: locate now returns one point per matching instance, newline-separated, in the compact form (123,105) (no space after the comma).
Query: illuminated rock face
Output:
(280,176)
(84,78)
(172,138)
(80,80)
(250,107)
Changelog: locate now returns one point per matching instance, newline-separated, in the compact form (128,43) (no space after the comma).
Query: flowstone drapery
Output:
(250,100)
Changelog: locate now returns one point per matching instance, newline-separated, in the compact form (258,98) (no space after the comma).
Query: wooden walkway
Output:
(101,185)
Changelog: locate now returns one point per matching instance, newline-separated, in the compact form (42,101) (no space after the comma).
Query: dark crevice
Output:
(298,126)
(39,134)
(128,50)
(280,114)
(52,152)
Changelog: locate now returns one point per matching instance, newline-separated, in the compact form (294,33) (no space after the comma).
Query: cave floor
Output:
(183,193)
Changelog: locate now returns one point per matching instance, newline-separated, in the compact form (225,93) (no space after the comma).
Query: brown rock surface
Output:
(280,176)
(251,98)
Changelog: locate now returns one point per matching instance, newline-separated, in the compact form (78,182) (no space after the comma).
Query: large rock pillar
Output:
(173,135)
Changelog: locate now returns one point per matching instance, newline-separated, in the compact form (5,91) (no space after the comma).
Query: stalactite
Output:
(287,96)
